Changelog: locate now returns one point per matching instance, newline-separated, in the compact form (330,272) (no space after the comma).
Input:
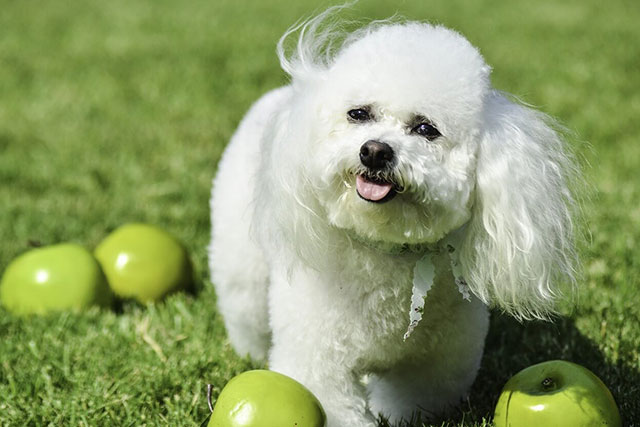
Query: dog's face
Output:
(393,144)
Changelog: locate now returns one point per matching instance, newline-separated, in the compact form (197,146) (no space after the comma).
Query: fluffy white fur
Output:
(318,281)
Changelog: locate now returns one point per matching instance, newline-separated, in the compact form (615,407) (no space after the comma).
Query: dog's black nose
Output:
(375,154)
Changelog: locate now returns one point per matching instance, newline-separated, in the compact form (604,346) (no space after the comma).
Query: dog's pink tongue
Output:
(371,190)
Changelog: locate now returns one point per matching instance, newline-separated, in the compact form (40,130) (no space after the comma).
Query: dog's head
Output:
(398,115)
(398,137)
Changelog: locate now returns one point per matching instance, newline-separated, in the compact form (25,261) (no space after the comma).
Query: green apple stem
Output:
(209,387)
(548,384)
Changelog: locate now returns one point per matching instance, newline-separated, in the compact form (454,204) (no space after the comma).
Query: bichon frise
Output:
(364,216)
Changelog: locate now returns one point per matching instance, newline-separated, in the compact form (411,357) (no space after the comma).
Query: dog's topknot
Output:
(320,38)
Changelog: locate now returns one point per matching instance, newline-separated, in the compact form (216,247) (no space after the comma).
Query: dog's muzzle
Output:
(371,186)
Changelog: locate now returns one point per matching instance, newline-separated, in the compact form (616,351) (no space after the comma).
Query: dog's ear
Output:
(519,244)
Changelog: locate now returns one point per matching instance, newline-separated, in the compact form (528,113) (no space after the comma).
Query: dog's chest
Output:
(375,307)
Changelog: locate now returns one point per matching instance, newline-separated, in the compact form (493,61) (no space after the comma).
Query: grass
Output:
(112,112)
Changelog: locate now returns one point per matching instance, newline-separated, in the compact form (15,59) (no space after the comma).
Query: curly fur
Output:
(318,281)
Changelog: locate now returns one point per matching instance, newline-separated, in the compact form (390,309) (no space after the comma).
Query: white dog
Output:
(388,177)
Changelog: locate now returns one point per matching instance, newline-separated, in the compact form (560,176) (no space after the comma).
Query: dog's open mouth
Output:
(375,190)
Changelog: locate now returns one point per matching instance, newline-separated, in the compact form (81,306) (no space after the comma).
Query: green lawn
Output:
(117,111)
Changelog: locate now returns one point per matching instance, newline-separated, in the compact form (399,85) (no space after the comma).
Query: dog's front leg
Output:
(312,343)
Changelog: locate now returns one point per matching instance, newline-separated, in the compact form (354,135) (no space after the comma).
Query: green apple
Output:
(556,393)
(54,278)
(263,398)
(144,262)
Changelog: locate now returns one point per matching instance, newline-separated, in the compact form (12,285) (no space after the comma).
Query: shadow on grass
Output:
(512,346)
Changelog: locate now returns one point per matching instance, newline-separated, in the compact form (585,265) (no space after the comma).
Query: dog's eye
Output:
(427,130)
(359,115)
